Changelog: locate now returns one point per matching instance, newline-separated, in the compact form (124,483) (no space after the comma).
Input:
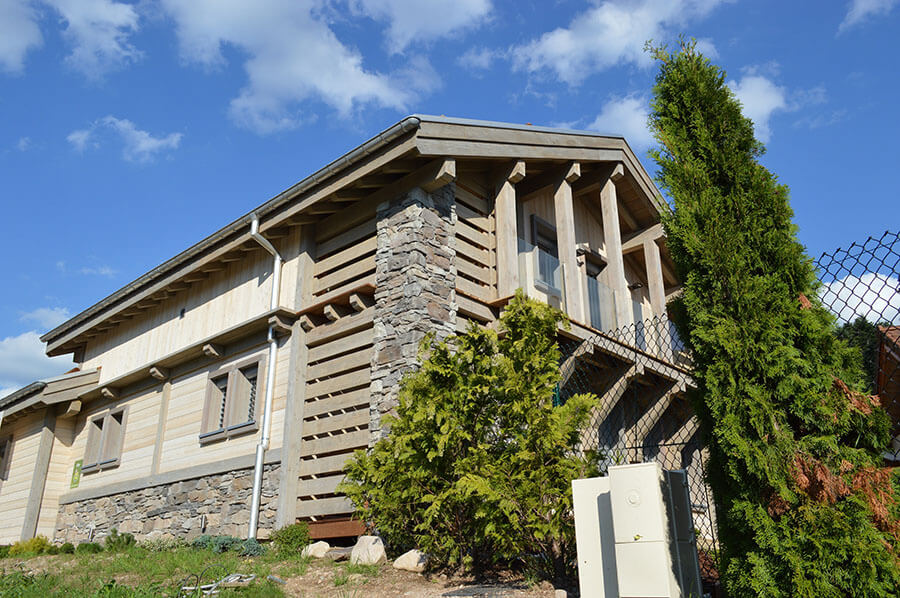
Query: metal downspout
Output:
(263,445)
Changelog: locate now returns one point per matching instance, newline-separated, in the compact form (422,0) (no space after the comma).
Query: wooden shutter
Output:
(214,408)
(242,397)
(113,433)
(94,441)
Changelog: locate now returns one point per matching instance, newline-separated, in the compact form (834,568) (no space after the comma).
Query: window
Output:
(5,457)
(544,236)
(230,407)
(104,442)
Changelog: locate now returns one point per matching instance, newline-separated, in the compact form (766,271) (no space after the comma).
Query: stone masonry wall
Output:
(415,288)
(175,510)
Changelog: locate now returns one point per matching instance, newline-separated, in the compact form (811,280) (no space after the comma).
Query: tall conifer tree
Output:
(804,507)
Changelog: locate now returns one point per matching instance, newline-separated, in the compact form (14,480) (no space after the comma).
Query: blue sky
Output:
(131,130)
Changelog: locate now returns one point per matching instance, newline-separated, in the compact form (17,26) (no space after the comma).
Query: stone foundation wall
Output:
(175,510)
(415,288)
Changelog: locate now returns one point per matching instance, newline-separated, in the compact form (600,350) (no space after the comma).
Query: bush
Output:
(88,548)
(804,505)
(67,548)
(220,544)
(202,542)
(162,544)
(116,542)
(291,538)
(4,552)
(478,465)
(250,547)
(34,546)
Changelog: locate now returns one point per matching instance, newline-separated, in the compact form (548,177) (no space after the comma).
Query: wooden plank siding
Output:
(338,372)
(476,266)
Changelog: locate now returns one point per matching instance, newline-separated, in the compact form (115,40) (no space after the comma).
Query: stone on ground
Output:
(413,561)
(316,550)
(369,550)
(338,554)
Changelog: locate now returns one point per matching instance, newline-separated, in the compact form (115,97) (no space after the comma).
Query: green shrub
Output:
(34,546)
(67,548)
(54,549)
(220,544)
(88,548)
(116,542)
(250,547)
(291,538)
(202,542)
(162,544)
(803,504)
(478,465)
(4,551)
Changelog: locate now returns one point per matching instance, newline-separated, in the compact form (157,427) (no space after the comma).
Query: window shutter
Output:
(5,454)
(112,437)
(242,400)
(94,440)
(214,409)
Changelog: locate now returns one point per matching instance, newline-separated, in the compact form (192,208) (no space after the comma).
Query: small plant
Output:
(203,542)
(220,544)
(341,579)
(116,542)
(34,546)
(162,544)
(250,547)
(291,538)
(67,548)
(4,552)
(88,548)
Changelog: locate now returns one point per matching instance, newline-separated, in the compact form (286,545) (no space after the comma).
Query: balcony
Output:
(542,277)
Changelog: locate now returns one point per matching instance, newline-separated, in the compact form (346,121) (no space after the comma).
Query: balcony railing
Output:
(601,303)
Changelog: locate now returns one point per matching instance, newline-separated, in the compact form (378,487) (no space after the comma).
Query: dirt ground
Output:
(319,581)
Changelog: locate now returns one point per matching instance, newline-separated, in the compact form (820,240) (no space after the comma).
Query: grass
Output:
(137,572)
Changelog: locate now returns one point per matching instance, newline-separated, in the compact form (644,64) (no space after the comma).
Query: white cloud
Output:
(760,97)
(47,317)
(608,34)
(863,10)
(19,32)
(141,146)
(99,32)
(24,144)
(417,21)
(875,297)
(98,271)
(706,47)
(292,56)
(626,116)
(22,361)
(79,139)
(478,58)
(138,145)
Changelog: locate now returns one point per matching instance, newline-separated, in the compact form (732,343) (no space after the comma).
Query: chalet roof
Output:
(46,392)
(416,136)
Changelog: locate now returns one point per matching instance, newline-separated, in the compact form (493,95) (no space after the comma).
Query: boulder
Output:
(369,550)
(560,594)
(413,561)
(315,550)
(338,554)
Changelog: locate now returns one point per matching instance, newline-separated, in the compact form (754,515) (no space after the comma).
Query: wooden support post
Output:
(507,235)
(565,238)
(164,396)
(612,236)
(655,277)
(289,481)
(39,479)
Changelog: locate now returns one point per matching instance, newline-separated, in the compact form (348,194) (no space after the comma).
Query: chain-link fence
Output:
(640,373)
(861,287)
